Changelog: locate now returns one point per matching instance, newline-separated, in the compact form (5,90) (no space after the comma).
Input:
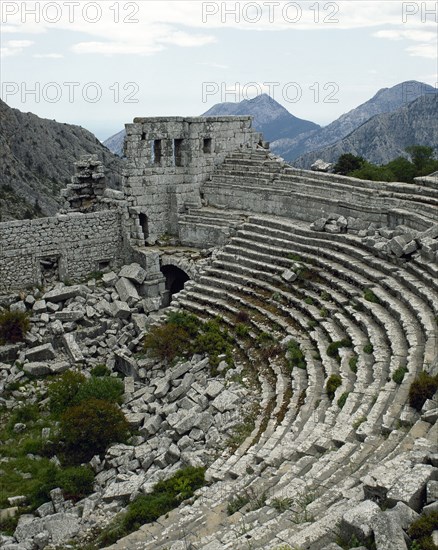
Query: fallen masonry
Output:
(316,277)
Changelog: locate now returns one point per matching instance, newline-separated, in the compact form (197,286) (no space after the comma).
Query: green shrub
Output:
(334,347)
(104,388)
(332,384)
(90,427)
(281,504)
(165,496)
(242,330)
(422,388)
(238,502)
(323,312)
(399,374)
(341,401)
(75,481)
(369,295)
(100,370)
(24,414)
(368,348)
(352,363)
(214,341)
(309,300)
(13,326)
(184,334)
(265,339)
(421,530)
(295,355)
(62,392)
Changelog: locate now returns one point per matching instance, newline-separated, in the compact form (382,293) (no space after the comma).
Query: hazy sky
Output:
(99,64)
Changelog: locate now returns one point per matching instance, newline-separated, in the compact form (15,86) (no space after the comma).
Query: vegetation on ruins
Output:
(399,374)
(369,295)
(422,163)
(343,399)
(352,363)
(368,348)
(73,388)
(90,427)
(332,384)
(184,334)
(420,531)
(13,326)
(165,496)
(295,357)
(334,347)
(422,388)
(44,443)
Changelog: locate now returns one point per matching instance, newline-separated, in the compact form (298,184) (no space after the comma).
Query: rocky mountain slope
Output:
(37,162)
(270,118)
(386,136)
(386,100)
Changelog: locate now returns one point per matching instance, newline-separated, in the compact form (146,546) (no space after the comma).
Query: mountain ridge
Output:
(37,161)
(385,137)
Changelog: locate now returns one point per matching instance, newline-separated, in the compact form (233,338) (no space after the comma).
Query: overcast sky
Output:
(99,64)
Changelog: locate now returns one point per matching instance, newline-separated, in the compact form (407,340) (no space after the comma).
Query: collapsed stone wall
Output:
(67,247)
(168,160)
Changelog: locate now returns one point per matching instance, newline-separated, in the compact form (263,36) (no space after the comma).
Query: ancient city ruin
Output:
(340,272)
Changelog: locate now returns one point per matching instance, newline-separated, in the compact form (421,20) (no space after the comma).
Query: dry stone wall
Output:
(168,160)
(67,246)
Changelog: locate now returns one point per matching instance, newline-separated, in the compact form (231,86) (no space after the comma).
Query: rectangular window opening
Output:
(207,146)
(177,151)
(157,151)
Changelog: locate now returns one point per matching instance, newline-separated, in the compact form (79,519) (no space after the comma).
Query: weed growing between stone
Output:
(183,335)
(13,326)
(165,496)
(422,388)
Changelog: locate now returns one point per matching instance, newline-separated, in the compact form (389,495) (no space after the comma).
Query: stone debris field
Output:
(328,289)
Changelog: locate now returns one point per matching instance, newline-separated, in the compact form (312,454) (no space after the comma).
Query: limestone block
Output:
(127,291)
(214,388)
(65,293)
(69,316)
(432,491)
(359,519)
(44,352)
(388,532)
(40,306)
(18,307)
(62,526)
(151,426)
(410,486)
(134,272)
(72,348)
(120,310)
(28,527)
(226,401)
(289,276)
(37,369)
(109,279)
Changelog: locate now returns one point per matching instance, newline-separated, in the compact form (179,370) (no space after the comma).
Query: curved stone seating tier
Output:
(305,447)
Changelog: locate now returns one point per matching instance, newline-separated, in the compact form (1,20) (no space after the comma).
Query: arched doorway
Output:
(144,224)
(175,281)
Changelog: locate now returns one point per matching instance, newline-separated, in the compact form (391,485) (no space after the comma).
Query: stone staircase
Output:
(306,451)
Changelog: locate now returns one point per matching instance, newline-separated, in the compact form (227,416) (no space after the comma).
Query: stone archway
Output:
(175,281)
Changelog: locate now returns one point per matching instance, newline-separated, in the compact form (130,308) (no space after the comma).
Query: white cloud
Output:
(213,65)
(166,24)
(423,50)
(113,48)
(14,47)
(48,56)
